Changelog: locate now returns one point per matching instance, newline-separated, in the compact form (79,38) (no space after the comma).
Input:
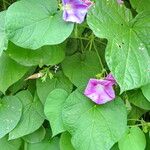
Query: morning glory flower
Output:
(120,1)
(101,91)
(75,10)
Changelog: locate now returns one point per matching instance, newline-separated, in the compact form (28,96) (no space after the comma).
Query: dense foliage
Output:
(46,63)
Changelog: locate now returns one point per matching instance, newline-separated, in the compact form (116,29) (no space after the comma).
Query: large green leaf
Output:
(32,117)
(65,142)
(3,38)
(34,23)
(10,113)
(50,144)
(59,81)
(36,136)
(10,72)
(46,55)
(126,50)
(10,145)
(138,99)
(142,28)
(134,139)
(140,5)
(79,68)
(94,127)
(53,109)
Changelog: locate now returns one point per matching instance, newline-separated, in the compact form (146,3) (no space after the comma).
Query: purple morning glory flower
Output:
(120,1)
(75,10)
(101,91)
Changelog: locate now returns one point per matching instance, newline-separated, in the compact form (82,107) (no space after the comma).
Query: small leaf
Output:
(10,145)
(33,23)
(10,72)
(36,136)
(65,142)
(53,109)
(133,140)
(10,114)
(146,91)
(80,68)
(94,127)
(59,81)
(32,117)
(138,99)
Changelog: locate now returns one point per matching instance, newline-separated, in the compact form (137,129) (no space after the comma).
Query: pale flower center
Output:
(68,7)
(99,88)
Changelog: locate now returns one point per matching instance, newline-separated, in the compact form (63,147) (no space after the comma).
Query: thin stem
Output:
(134,120)
(87,45)
(91,43)
(100,42)
(76,31)
(100,61)
(82,38)
(137,125)
(4,5)
(82,47)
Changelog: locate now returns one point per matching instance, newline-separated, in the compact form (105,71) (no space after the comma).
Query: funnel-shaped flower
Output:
(101,91)
(75,10)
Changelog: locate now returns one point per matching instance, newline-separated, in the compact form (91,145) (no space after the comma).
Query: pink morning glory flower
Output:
(101,91)
(75,10)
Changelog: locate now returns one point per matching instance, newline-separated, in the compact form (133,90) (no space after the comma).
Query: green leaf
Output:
(93,126)
(65,142)
(53,109)
(146,91)
(133,140)
(47,55)
(79,68)
(140,5)
(10,72)
(3,38)
(141,28)
(10,145)
(50,144)
(10,113)
(33,23)
(36,136)
(138,99)
(32,117)
(126,50)
(59,81)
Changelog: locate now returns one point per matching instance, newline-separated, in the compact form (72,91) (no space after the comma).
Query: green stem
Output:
(4,5)
(137,125)
(82,38)
(25,146)
(91,43)
(100,61)
(76,31)
(82,47)
(134,120)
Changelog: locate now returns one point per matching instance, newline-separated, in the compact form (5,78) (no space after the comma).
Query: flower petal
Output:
(75,10)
